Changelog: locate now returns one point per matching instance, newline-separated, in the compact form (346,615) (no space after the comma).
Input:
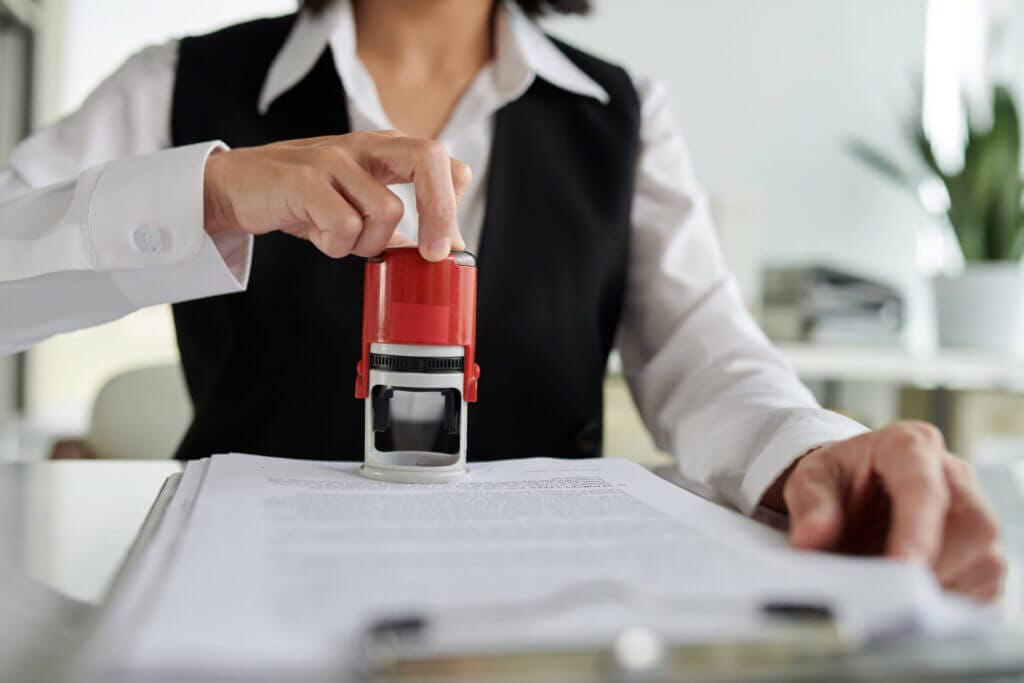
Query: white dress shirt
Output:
(98,217)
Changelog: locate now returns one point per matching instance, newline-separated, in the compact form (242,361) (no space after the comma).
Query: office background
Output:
(768,94)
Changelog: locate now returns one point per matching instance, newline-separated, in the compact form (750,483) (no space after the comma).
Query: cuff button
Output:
(147,239)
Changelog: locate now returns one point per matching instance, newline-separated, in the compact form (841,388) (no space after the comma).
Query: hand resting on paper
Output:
(333,191)
(895,491)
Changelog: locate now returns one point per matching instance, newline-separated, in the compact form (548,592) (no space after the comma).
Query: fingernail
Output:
(439,249)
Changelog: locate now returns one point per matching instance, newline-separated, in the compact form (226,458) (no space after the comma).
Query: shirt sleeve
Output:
(98,218)
(709,385)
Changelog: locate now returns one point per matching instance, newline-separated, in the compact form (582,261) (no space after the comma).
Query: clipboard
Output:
(802,637)
(811,652)
(805,646)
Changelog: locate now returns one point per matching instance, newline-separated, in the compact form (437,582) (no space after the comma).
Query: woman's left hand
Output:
(896,492)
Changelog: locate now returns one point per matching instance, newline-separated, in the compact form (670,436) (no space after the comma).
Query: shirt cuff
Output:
(221,267)
(806,430)
(147,210)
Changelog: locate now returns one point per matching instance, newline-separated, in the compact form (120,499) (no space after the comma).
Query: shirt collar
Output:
(522,52)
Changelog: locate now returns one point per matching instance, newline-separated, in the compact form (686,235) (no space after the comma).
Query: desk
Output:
(67,526)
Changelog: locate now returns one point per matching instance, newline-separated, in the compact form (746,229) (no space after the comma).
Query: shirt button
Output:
(147,239)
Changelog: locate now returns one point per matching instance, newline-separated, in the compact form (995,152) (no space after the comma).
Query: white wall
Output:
(766,92)
(100,34)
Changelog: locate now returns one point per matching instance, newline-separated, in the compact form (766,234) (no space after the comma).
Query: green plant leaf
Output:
(987,195)
(992,159)
(878,161)
(919,139)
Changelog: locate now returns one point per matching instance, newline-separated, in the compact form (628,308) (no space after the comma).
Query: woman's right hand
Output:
(333,191)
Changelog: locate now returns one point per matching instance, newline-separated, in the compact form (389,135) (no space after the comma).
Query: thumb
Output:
(398,240)
(814,501)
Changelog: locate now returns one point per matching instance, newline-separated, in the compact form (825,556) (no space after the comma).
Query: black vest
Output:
(272,370)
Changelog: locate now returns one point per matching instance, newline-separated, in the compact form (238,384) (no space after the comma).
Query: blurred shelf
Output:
(949,369)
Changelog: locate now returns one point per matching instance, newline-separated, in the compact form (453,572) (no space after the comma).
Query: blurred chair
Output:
(140,414)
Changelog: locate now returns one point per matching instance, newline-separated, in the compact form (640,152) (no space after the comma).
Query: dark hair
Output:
(533,8)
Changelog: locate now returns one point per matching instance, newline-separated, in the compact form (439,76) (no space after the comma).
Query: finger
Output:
(379,207)
(400,240)
(336,224)
(987,592)
(814,499)
(462,178)
(426,164)
(911,473)
(971,527)
(983,579)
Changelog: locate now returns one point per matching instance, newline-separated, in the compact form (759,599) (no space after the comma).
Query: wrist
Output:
(774,498)
(217,214)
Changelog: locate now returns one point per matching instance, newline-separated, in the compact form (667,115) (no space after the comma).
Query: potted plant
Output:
(982,305)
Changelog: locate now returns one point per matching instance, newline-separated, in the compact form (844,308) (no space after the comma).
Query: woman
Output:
(583,208)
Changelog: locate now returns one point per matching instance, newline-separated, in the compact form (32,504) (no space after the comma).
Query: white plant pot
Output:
(982,307)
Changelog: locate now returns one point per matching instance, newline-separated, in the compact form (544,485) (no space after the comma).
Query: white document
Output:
(281,565)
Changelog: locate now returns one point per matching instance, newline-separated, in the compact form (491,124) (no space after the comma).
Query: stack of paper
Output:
(264,565)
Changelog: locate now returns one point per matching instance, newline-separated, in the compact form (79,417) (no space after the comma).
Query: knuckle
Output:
(350,225)
(932,434)
(334,247)
(929,434)
(431,150)
(898,440)
(392,209)
(911,440)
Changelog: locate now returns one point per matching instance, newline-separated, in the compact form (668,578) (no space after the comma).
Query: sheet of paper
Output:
(282,564)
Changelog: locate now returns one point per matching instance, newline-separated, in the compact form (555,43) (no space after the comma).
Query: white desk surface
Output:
(68,524)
